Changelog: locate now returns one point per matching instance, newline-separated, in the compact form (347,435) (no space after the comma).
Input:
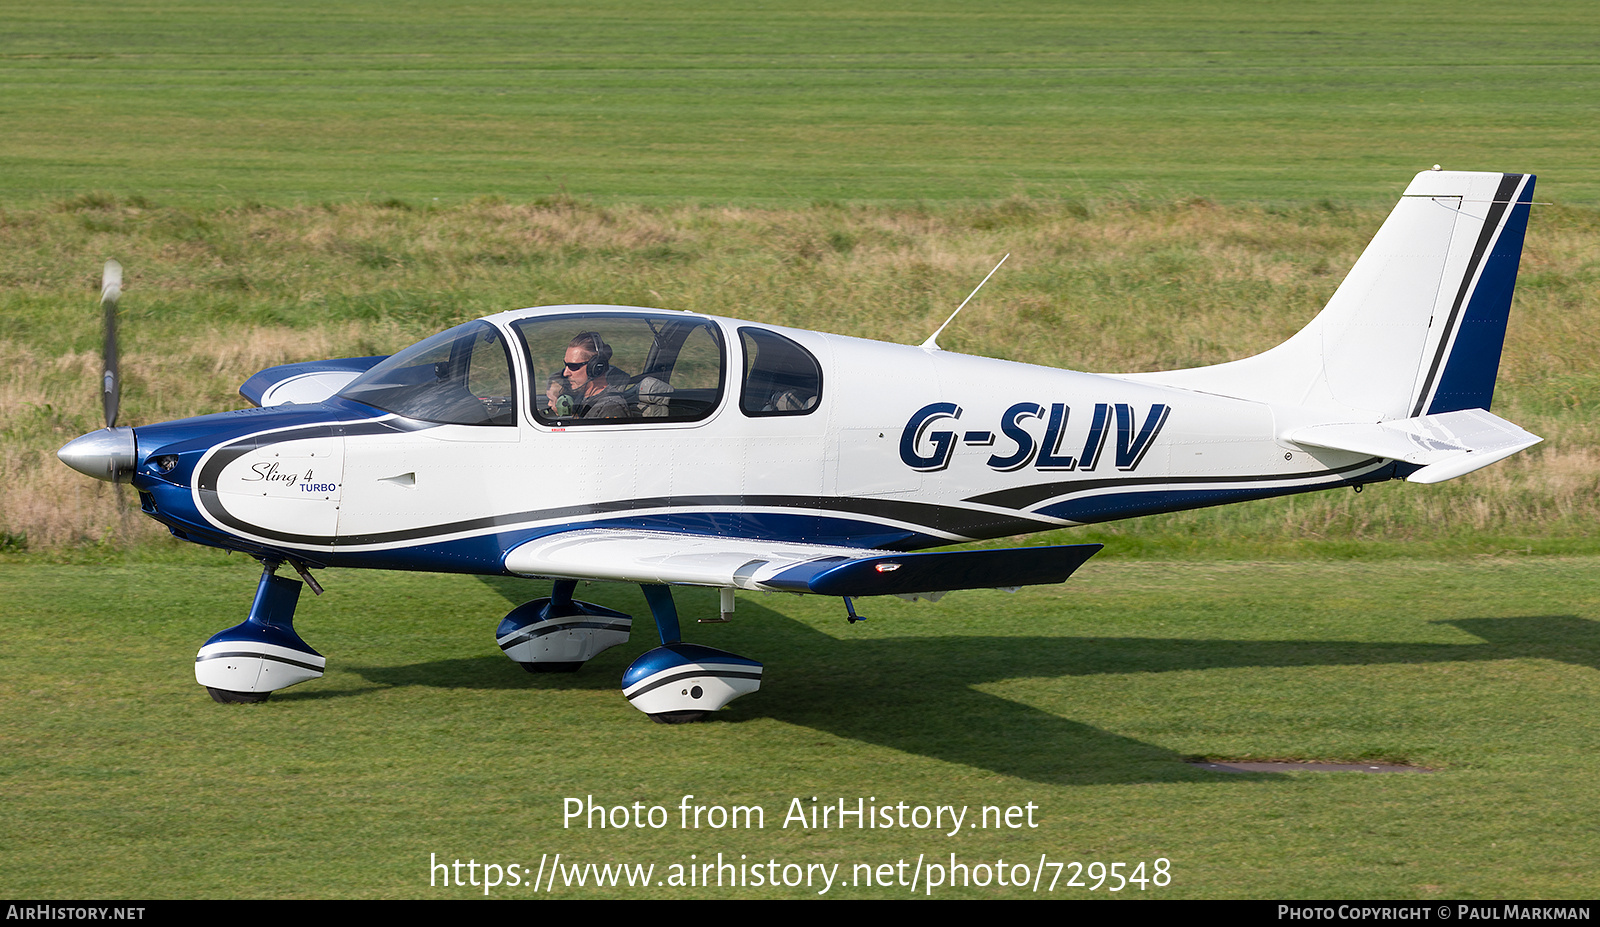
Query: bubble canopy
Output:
(590,368)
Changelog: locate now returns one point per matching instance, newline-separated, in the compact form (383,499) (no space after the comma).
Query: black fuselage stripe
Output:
(206,478)
(1023,496)
(951,519)
(924,515)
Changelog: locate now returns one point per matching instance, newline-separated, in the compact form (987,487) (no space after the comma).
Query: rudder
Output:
(1460,371)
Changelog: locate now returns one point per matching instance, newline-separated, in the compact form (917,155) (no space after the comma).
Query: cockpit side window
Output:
(618,368)
(458,377)
(780,377)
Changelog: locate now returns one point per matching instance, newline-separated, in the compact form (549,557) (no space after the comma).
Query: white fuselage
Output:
(906,447)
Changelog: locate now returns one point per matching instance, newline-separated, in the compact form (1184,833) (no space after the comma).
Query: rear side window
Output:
(780,377)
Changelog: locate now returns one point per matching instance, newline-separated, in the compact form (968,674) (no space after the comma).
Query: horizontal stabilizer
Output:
(1445,445)
(632,556)
(310,382)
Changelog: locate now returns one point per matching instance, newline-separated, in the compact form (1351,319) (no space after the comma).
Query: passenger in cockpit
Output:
(558,397)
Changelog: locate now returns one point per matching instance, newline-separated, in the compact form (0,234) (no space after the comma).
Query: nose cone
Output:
(108,454)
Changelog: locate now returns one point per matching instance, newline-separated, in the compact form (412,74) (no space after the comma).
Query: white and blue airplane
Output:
(670,448)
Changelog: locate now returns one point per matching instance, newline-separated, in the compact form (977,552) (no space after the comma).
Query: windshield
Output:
(457,377)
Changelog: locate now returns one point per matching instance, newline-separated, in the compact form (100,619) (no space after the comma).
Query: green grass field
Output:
(1178,184)
(123,780)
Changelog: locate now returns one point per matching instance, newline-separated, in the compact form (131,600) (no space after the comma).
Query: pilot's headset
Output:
(600,362)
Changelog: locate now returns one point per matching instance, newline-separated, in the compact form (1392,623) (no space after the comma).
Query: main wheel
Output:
(229,697)
(553,667)
(677,717)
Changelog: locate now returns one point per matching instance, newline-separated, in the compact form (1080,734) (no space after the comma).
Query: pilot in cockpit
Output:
(588,374)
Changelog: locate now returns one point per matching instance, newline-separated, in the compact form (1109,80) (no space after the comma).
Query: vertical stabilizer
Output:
(1417,325)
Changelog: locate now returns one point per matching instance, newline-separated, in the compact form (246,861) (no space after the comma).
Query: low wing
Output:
(304,383)
(1447,445)
(625,555)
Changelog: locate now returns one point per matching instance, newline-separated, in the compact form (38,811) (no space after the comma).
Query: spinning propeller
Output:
(111,382)
(108,454)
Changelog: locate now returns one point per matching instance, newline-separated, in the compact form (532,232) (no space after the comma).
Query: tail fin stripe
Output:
(1449,341)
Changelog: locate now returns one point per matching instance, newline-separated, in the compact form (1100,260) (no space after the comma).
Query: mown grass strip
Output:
(124,780)
(679,101)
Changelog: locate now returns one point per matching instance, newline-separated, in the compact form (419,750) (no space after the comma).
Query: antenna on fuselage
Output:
(931,343)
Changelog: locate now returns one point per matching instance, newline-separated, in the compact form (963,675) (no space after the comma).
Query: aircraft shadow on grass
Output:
(917,695)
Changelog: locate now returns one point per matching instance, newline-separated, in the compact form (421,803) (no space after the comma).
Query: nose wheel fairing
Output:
(262,654)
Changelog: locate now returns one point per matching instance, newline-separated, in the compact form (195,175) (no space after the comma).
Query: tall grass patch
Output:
(1105,285)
